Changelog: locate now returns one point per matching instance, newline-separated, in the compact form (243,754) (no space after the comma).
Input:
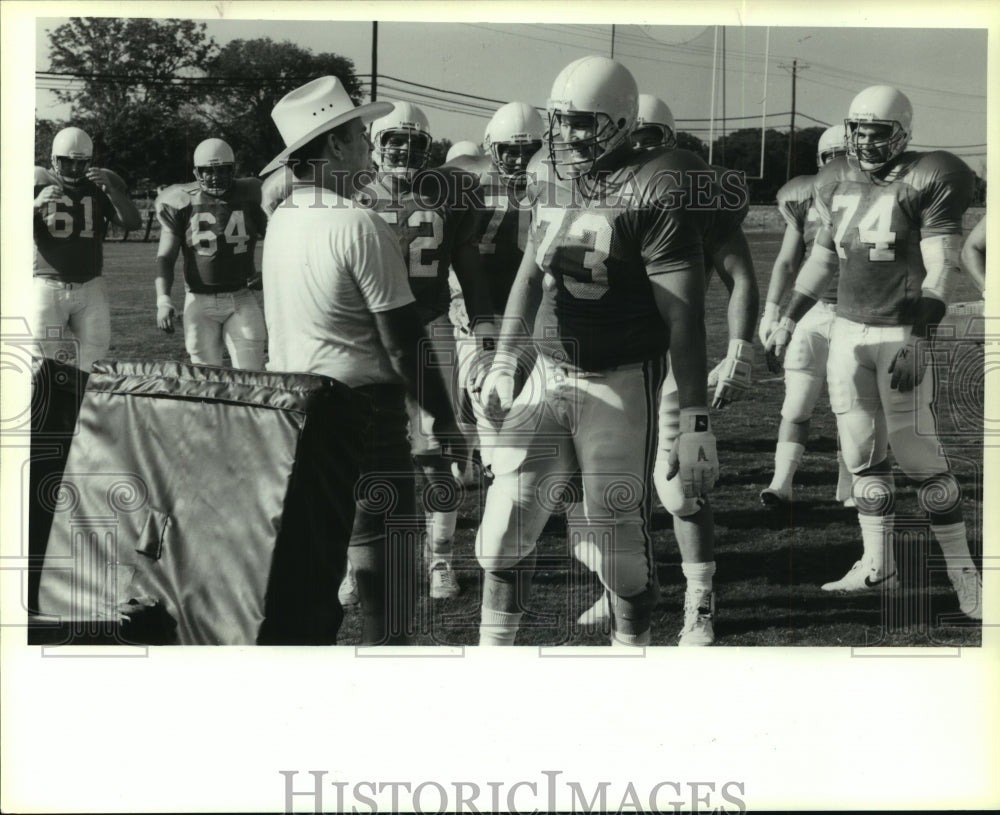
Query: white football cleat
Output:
(597,614)
(772,499)
(699,618)
(969,587)
(444,586)
(348,592)
(864,577)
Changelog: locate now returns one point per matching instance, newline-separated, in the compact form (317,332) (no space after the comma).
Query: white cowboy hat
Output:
(318,106)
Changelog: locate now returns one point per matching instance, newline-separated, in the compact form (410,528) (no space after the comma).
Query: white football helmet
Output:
(832,143)
(72,150)
(463,148)
(654,124)
(214,166)
(884,106)
(512,137)
(402,140)
(592,110)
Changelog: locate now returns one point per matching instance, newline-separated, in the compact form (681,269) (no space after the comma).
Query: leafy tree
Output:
(245,80)
(45,130)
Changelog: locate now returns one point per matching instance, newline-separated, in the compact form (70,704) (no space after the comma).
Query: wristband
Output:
(788,324)
(771,311)
(695,420)
(740,350)
(164,301)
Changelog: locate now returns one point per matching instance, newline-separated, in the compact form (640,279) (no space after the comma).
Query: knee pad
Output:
(801,392)
(939,494)
(874,493)
(863,441)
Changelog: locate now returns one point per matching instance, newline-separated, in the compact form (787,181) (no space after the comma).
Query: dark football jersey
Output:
(218,234)
(795,203)
(69,232)
(878,222)
(503,229)
(433,216)
(598,252)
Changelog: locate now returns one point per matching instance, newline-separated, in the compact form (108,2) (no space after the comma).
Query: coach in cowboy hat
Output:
(337,302)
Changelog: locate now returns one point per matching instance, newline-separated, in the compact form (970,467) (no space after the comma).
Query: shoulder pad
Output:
(938,163)
(43,177)
(247,189)
(176,196)
(797,189)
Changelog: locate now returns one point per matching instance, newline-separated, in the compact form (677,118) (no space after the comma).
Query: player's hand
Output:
(165,314)
(497,395)
(47,195)
(777,344)
(733,374)
(905,370)
(768,322)
(693,457)
(100,177)
(255,282)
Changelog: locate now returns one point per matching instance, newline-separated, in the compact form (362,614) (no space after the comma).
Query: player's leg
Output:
(861,424)
(534,457)
(90,321)
(245,332)
(615,441)
(938,492)
(48,319)
(383,553)
(203,329)
(805,372)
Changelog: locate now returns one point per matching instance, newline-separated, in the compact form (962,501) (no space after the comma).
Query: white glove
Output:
(777,344)
(165,313)
(732,375)
(769,322)
(693,457)
(498,387)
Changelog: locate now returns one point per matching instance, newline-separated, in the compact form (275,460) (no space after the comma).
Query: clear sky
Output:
(943,70)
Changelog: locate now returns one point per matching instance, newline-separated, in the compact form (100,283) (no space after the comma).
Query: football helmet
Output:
(402,140)
(886,109)
(832,143)
(512,137)
(592,109)
(72,150)
(463,148)
(654,124)
(214,166)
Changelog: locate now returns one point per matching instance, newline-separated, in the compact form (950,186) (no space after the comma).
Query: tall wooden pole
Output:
(374,62)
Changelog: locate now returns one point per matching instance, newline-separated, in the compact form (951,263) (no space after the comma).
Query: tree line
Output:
(148,91)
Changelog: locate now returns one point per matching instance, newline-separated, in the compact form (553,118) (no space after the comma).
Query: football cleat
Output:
(597,614)
(444,586)
(864,577)
(699,618)
(348,592)
(969,587)
(772,499)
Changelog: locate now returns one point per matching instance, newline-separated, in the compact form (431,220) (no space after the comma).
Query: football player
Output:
(612,277)
(436,214)
(215,222)
(462,148)
(805,359)
(891,224)
(74,203)
(727,251)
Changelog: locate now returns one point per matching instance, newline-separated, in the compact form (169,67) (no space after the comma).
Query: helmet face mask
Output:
(72,151)
(577,140)
(879,125)
(214,166)
(511,159)
(402,140)
(649,136)
(512,137)
(654,124)
(832,143)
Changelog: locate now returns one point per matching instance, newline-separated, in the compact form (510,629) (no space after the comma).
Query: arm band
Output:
(940,254)
(817,272)
(740,350)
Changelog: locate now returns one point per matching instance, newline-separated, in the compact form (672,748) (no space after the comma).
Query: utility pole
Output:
(374,93)
(612,41)
(791,127)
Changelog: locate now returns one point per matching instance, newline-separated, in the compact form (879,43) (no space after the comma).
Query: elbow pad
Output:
(816,273)
(941,255)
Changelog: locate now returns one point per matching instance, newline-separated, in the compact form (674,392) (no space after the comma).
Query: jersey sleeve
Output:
(171,210)
(945,195)
(670,237)
(376,262)
(793,205)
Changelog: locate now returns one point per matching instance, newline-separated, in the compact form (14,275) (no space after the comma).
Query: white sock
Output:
(876,534)
(441,534)
(787,455)
(499,627)
(954,544)
(845,480)
(699,575)
(619,640)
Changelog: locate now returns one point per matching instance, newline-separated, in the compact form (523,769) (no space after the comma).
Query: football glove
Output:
(165,313)
(777,343)
(906,372)
(768,322)
(693,457)
(497,394)
(732,375)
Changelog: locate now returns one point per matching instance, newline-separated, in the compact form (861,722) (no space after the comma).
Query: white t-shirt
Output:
(327,268)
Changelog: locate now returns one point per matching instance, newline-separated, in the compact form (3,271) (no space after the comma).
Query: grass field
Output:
(769,566)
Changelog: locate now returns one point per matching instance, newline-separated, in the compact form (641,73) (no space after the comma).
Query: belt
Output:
(61,284)
(218,291)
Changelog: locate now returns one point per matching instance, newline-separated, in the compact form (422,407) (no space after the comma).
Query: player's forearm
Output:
(125,213)
(782,275)
(164,276)
(744,304)
(974,262)
(687,358)
(928,313)
(798,305)
(522,306)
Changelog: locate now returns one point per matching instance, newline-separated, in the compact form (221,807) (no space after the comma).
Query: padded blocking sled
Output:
(204,505)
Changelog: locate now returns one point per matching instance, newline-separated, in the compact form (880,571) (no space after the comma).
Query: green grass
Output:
(769,566)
